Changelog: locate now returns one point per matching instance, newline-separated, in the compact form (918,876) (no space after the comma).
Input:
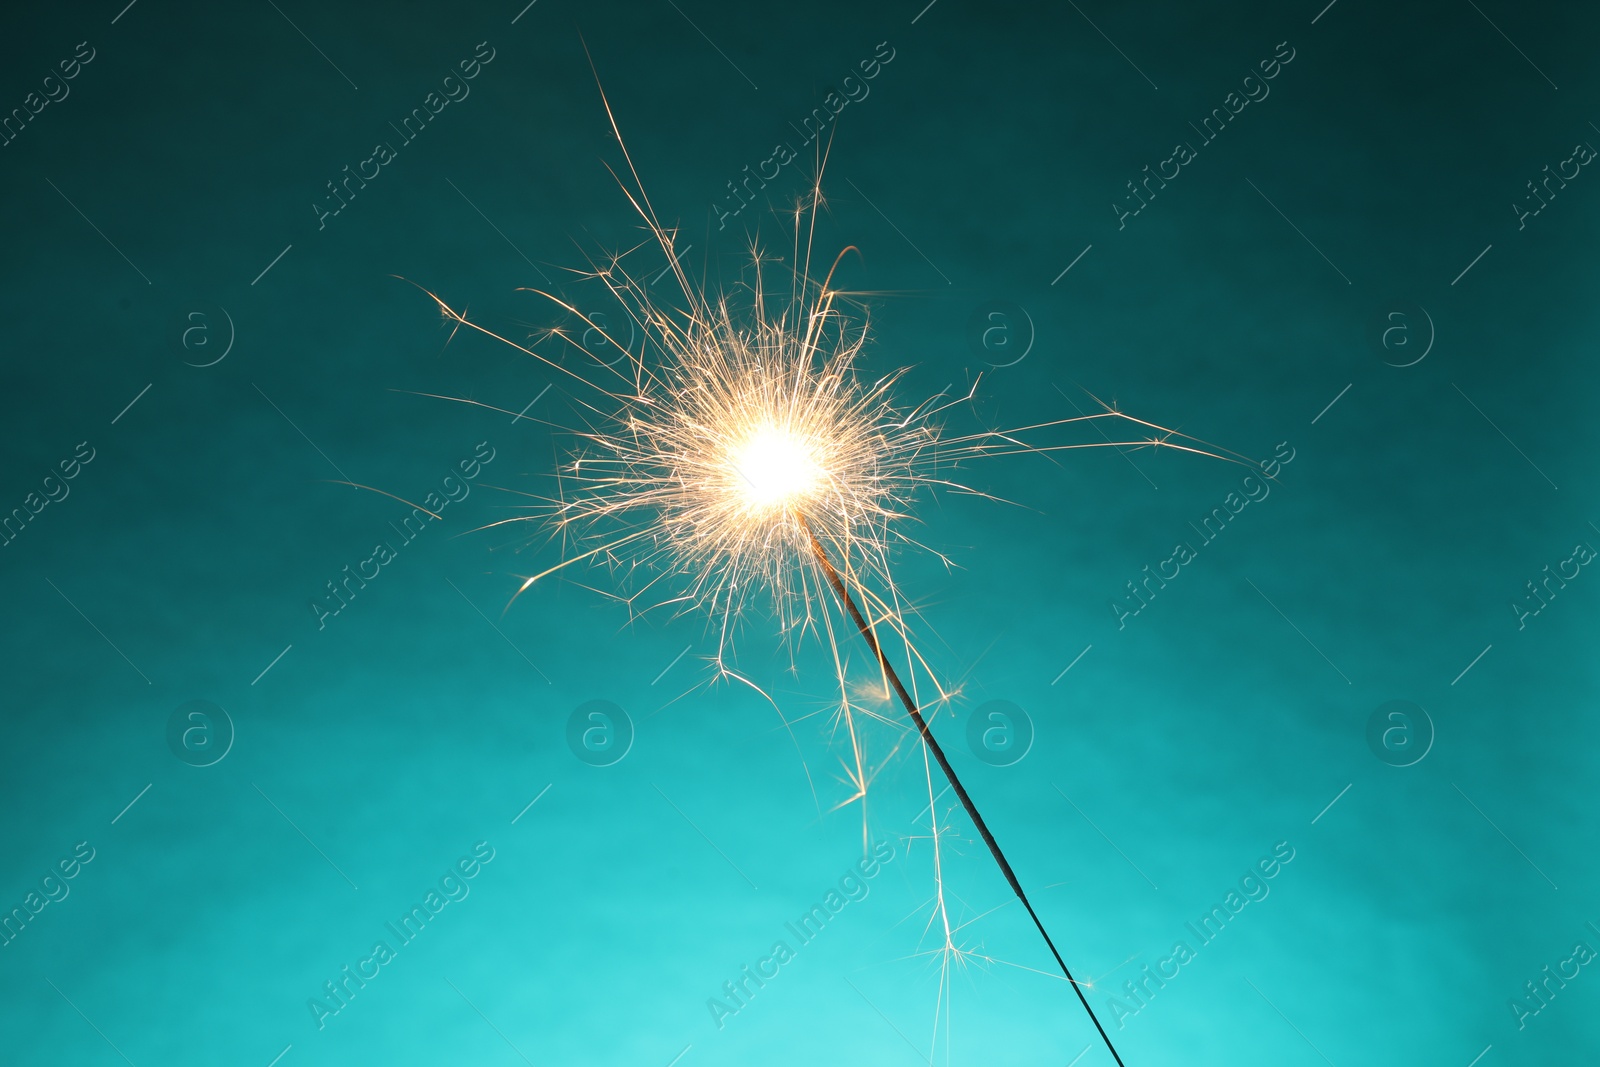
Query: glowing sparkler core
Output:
(776,468)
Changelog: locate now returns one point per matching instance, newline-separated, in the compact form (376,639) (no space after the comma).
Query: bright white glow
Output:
(775,467)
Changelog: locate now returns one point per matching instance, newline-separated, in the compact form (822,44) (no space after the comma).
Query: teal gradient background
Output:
(1245,304)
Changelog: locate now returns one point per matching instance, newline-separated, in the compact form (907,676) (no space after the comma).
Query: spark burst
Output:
(750,457)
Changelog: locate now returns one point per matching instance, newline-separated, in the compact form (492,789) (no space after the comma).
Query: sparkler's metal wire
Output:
(843,593)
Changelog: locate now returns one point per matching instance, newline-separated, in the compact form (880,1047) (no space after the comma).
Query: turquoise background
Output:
(370,755)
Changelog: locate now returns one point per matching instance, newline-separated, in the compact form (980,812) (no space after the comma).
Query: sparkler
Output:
(752,457)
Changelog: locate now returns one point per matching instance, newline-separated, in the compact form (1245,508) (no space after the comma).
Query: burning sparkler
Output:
(752,457)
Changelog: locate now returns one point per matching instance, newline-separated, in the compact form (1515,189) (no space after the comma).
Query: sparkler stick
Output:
(843,593)
(753,440)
